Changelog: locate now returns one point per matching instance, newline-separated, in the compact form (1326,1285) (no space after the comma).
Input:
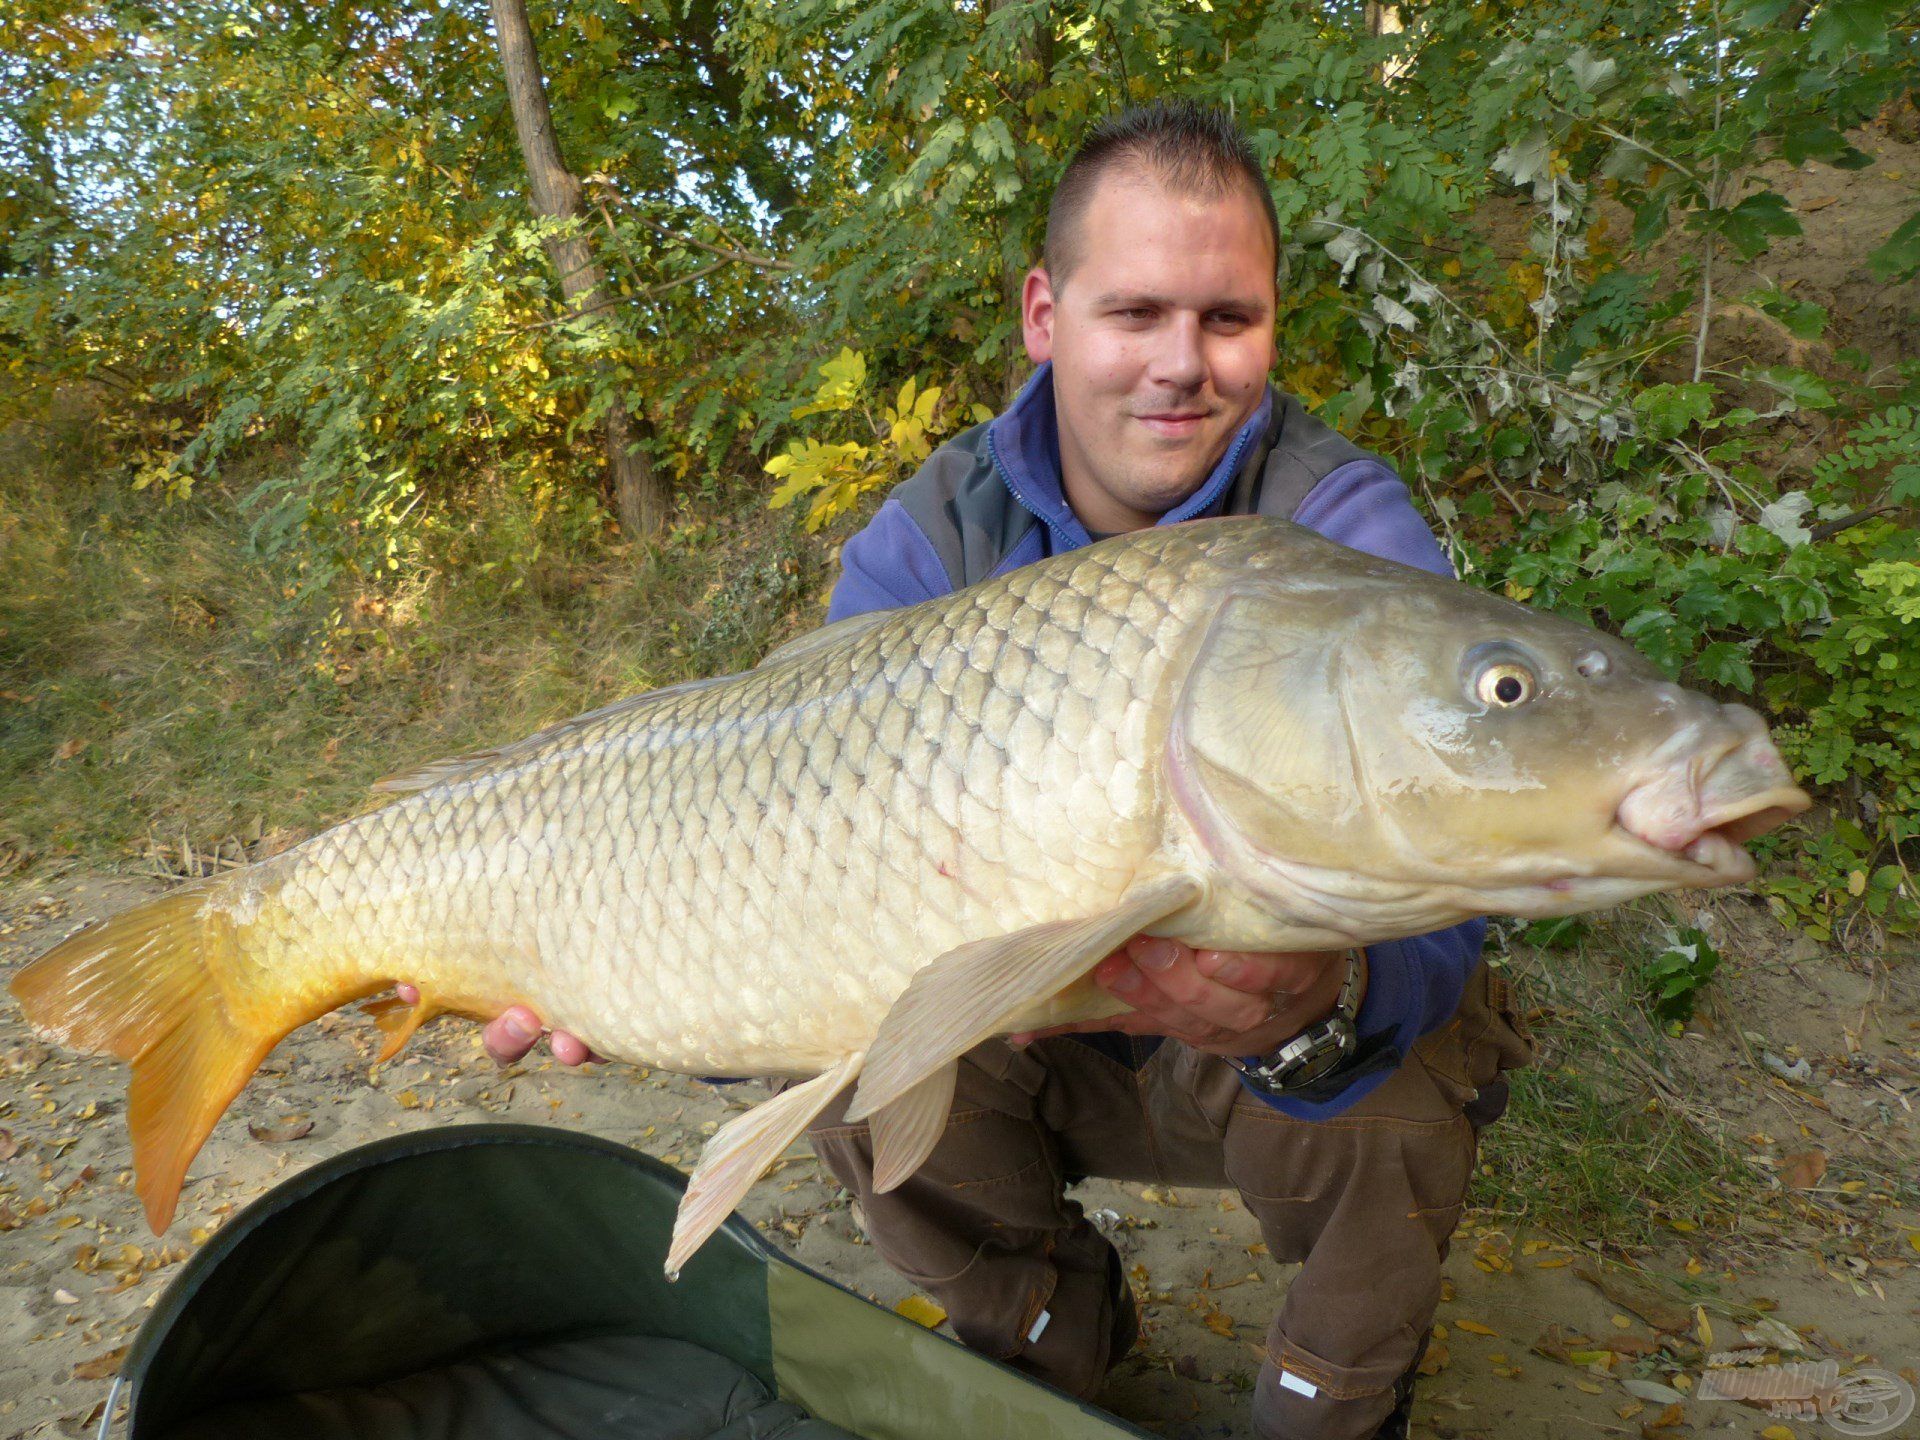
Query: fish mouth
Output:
(1701,811)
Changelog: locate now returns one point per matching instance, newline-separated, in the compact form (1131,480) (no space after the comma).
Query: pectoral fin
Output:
(739,1154)
(968,994)
(905,1132)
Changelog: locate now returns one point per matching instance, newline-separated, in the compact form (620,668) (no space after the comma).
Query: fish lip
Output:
(1715,855)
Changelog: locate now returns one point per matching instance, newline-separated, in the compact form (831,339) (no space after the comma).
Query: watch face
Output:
(1307,1057)
(1317,1064)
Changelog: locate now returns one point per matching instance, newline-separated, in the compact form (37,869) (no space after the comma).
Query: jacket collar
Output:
(1024,441)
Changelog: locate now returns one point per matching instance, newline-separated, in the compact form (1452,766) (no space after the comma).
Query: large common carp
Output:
(914,830)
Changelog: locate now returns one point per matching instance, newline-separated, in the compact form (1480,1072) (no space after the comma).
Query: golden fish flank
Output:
(913,830)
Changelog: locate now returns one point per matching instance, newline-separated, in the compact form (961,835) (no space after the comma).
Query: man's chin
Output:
(1156,493)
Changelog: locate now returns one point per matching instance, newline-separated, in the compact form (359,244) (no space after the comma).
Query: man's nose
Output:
(1178,360)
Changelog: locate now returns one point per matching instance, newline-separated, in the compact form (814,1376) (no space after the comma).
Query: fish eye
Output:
(1505,685)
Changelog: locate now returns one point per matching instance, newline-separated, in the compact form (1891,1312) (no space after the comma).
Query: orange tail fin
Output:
(145,986)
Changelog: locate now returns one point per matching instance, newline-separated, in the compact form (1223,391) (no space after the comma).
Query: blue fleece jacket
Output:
(1413,985)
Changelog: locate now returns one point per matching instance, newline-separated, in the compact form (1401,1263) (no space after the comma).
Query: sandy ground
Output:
(1837,1264)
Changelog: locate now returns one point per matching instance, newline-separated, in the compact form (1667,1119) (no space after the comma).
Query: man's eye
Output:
(1229,317)
(1135,312)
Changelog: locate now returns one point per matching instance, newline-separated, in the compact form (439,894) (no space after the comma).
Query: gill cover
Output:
(1261,750)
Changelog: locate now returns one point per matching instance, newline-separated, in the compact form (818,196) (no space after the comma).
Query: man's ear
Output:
(1036,315)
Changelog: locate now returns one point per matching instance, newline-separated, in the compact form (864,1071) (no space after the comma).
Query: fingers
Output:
(408,993)
(1162,978)
(511,1035)
(1204,997)
(570,1049)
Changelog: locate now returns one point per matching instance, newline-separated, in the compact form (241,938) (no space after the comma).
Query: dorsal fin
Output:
(474,762)
(814,641)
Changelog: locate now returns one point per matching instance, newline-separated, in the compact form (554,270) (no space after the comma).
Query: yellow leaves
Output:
(837,469)
(837,472)
(920,1310)
(1474,1327)
(909,419)
(843,381)
(1776,1432)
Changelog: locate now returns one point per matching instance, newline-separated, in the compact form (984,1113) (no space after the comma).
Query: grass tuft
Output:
(1599,1143)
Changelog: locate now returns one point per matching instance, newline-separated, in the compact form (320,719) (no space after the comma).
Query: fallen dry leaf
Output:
(1653,1391)
(9,1147)
(292,1128)
(1474,1327)
(1435,1360)
(67,749)
(1804,1170)
(100,1366)
(921,1311)
(1635,1345)
(1637,1296)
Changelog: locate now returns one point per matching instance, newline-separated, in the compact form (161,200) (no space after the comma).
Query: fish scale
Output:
(918,829)
(699,860)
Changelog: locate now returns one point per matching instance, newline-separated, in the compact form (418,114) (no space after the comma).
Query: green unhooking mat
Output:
(503,1282)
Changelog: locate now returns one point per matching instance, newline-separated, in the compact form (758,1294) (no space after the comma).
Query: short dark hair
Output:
(1191,148)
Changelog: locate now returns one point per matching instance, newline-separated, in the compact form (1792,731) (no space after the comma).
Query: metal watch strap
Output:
(1335,1036)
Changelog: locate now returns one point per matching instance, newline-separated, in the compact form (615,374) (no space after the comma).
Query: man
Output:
(1340,1094)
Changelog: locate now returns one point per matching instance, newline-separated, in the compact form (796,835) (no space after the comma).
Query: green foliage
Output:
(1673,978)
(1803,603)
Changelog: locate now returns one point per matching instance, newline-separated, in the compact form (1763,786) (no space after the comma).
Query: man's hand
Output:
(516,1031)
(1226,1002)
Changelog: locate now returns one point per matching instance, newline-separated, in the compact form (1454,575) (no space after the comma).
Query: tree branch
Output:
(742,257)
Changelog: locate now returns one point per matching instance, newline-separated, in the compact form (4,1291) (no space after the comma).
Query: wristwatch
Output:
(1315,1052)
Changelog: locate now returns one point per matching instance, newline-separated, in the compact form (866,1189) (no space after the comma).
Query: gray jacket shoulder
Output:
(1297,453)
(964,508)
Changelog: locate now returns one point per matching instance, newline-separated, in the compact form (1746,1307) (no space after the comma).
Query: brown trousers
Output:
(1365,1203)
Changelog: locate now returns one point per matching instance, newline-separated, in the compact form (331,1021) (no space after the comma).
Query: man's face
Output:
(1161,339)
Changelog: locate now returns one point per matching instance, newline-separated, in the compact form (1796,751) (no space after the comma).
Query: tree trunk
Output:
(1037,55)
(556,195)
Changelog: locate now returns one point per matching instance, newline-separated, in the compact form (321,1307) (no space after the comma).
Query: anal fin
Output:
(397,1021)
(905,1132)
(740,1152)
